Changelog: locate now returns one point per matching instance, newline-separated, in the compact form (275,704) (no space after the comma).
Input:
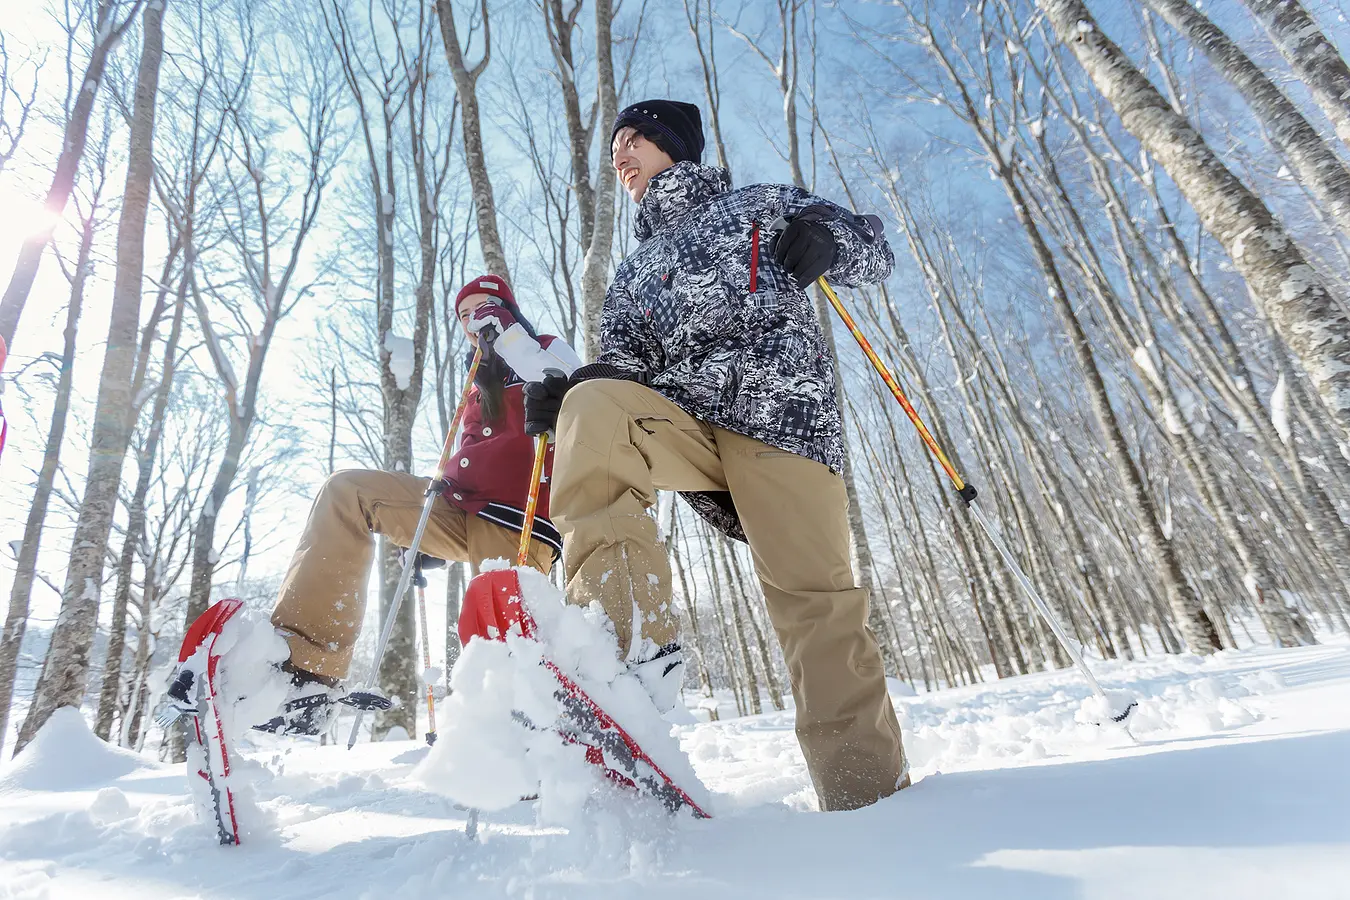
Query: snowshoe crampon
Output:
(492,609)
(193,693)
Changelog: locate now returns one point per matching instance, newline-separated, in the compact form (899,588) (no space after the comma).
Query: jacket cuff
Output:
(592,371)
(845,227)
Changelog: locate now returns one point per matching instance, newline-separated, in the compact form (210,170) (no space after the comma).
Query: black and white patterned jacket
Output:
(702,313)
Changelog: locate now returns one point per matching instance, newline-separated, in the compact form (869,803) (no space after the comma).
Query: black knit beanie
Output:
(675,127)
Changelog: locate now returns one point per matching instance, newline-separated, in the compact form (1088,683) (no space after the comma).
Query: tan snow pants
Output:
(618,443)
(323,598)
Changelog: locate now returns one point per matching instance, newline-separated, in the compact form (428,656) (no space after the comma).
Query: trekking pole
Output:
(433,489)
(968,495)
(532,500)
(420,581)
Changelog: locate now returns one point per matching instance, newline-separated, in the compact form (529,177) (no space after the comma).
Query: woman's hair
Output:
(493,372)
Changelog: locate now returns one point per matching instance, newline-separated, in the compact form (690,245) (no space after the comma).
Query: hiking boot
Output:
(662,674)
(311,703)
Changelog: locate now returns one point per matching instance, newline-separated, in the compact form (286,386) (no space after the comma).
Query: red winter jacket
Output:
(489,475)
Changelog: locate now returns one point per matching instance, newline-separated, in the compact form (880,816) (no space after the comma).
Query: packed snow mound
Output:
(497,744)
(65,755)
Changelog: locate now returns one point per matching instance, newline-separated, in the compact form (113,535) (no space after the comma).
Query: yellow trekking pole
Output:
(968,496)
(532,501)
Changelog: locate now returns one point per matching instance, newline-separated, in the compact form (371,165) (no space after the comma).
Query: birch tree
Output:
(1159,549)
(1291,292)
(385,67)
(111,20)
(25,573)
(270,201)
(65,669)
(146,454)
(595,265)
(466,84)
(1315,163)
(1311,55)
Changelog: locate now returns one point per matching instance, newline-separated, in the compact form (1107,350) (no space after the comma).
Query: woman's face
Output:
(466,309)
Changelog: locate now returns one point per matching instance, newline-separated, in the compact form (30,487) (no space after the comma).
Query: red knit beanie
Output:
(492,285)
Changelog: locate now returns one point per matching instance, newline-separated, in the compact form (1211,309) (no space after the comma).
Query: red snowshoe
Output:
(492,607)
(193,694)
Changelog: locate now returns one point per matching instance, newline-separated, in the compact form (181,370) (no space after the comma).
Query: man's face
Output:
(637,161)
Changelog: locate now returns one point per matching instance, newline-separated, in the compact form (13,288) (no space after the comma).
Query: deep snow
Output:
(1237,788)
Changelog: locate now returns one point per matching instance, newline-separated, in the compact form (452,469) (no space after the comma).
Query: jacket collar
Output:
(672,193)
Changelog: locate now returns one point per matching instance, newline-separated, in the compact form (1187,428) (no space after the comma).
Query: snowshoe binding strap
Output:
(367,700)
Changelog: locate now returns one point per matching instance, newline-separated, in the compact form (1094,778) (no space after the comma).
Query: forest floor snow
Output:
(1238,787)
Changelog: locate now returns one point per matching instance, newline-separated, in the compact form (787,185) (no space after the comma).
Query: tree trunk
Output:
(765,658)
(107,33)
(112,668)
(1186,607)
(66,668)
(736,596)
(707,58)
(466,83)
(21,591)
(690,606)
(723,625)
(595,265)
(1288,289)
(1195,624)
(1315,163)
(454,593)
(204,556)
(1311,55)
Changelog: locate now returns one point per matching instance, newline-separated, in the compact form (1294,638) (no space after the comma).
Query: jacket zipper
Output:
(754,257)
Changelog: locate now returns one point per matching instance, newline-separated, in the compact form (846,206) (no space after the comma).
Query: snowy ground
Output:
(1238,788)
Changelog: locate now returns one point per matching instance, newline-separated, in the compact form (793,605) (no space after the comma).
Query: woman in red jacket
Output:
(478,516)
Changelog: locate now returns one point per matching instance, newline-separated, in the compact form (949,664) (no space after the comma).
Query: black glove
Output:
(805,248)
(543,400)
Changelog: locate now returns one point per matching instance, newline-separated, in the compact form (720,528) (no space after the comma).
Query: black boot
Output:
(310,703)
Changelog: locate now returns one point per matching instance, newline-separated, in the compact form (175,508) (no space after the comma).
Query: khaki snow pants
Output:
(323,597)
(618,443)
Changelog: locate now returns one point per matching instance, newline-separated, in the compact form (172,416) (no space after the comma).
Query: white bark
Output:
(16,622)
(1311,159)
(466,82)
(136,516)
(1311,55)
(595,266)
(108,32)
(1289,290)
(66,668)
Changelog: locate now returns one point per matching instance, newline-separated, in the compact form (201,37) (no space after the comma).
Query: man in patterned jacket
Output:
(714,380)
